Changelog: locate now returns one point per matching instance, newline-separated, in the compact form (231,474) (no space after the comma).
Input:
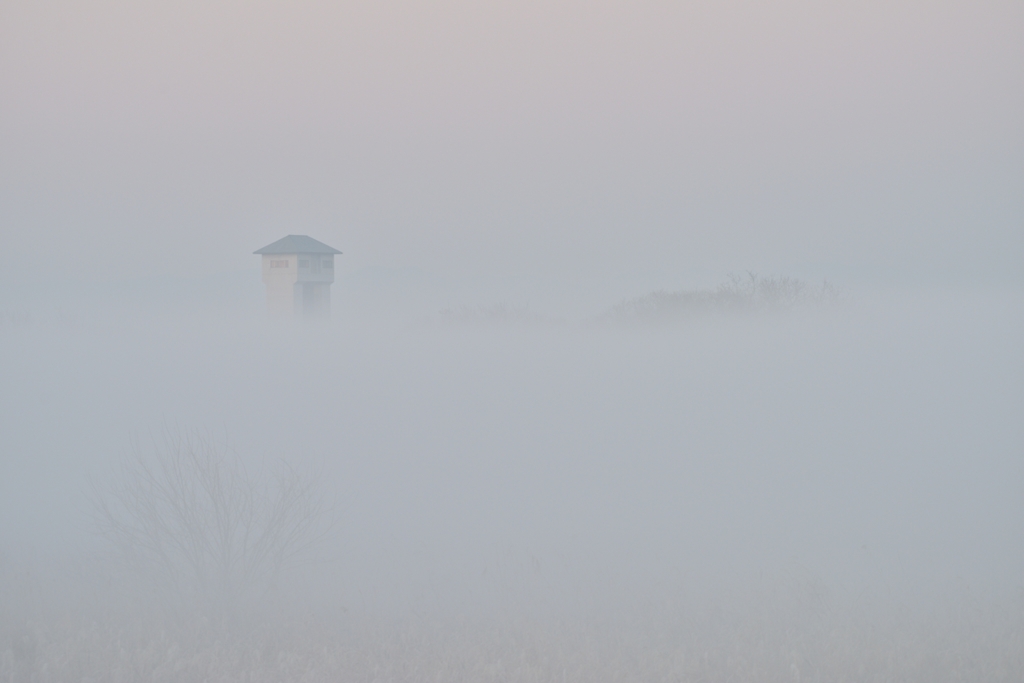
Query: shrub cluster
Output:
(749,294)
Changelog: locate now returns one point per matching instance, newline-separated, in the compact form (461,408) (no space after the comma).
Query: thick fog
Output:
(668,342)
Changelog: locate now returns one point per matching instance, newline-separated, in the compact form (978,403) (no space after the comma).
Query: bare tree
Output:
(191,517)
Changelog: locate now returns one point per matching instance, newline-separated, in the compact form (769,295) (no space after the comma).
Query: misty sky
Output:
(508,441)
(584,148)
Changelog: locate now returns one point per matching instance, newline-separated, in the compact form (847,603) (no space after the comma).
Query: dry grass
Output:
(754,644)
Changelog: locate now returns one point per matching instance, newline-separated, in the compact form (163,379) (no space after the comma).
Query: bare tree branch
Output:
(190,516)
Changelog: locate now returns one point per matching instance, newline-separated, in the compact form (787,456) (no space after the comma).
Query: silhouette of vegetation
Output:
(752,293)
(191,519)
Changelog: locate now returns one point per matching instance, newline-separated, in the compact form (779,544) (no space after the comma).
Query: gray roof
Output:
(297,244)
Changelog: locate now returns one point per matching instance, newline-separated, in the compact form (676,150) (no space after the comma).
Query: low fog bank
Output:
(730,494)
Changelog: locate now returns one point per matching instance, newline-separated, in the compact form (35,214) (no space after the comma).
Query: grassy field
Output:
(787,633)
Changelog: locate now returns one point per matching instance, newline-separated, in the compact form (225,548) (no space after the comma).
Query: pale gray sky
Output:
(535,146)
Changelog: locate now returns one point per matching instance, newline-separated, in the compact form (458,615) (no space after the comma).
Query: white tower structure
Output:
(298,272)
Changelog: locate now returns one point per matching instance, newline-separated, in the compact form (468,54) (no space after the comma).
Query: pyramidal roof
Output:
(297,244)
